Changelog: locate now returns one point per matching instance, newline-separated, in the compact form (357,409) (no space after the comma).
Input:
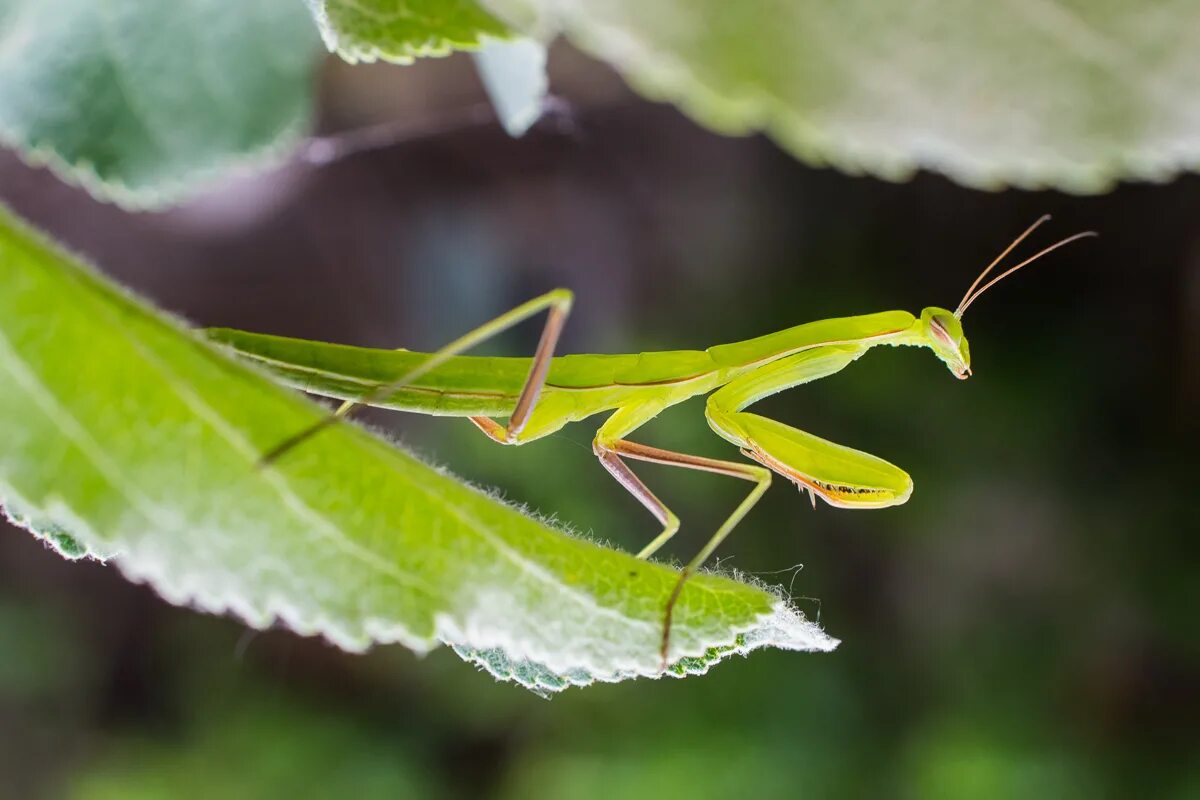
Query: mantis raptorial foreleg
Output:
(840,475)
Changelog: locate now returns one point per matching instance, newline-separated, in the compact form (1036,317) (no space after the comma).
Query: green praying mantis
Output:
(540,395)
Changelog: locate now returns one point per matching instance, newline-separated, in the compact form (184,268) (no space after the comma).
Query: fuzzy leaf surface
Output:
(128,437)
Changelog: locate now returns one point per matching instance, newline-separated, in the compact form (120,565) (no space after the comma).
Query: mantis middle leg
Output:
(610,445)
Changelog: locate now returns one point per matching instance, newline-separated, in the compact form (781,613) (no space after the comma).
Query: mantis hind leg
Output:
(840,475)
(557,301)
(612,448)
(559,304)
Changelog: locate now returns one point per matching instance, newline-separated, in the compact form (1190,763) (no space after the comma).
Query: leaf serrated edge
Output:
(168,192)
(545,682)
(354,50)
(665,79)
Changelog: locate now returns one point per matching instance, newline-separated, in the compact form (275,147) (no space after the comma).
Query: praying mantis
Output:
(540,395)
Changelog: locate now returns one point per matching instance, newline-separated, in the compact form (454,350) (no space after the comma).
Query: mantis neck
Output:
(887,327)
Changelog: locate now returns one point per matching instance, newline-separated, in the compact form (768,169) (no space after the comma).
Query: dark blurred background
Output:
(1024,627)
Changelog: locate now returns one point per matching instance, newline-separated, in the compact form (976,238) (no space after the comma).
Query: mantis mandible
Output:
(540,395)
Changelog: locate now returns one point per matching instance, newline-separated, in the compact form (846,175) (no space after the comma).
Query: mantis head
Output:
(941,330)
(942,333)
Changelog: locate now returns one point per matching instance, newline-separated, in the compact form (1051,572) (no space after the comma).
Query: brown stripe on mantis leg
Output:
(610,445)
(532,389)
(762,479)
(557,301)
(634,485)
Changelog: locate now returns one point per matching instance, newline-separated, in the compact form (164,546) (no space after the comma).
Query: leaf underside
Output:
(1074,94)
(143,102)
(125,436)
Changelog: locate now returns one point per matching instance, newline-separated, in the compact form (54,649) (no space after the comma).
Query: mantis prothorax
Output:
(540,395)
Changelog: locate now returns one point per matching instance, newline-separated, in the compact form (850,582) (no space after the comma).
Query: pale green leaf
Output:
(126,435)
(402,30)
(1067,93)
(143,102)
(514,74)
(542,680)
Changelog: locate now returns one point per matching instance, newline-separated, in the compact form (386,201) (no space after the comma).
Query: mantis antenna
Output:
(1042,219)
(970,298)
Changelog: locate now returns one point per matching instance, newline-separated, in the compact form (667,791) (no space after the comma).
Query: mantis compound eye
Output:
(940,332)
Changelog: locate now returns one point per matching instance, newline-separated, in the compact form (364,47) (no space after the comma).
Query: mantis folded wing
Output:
(540,395)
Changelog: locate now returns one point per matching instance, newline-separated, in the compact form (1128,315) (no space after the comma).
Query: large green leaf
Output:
(141,101)
(125,436)
(402,30)
(1070,93)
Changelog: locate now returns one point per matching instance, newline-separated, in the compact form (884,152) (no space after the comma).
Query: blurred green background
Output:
(1024,627)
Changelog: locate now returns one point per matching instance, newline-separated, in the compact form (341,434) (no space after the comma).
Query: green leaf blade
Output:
(143,103)
(139,441)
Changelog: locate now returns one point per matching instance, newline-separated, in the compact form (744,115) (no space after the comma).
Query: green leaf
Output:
(542,680)
(127,435)
(1067,93)
(402,30)
(142,102)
